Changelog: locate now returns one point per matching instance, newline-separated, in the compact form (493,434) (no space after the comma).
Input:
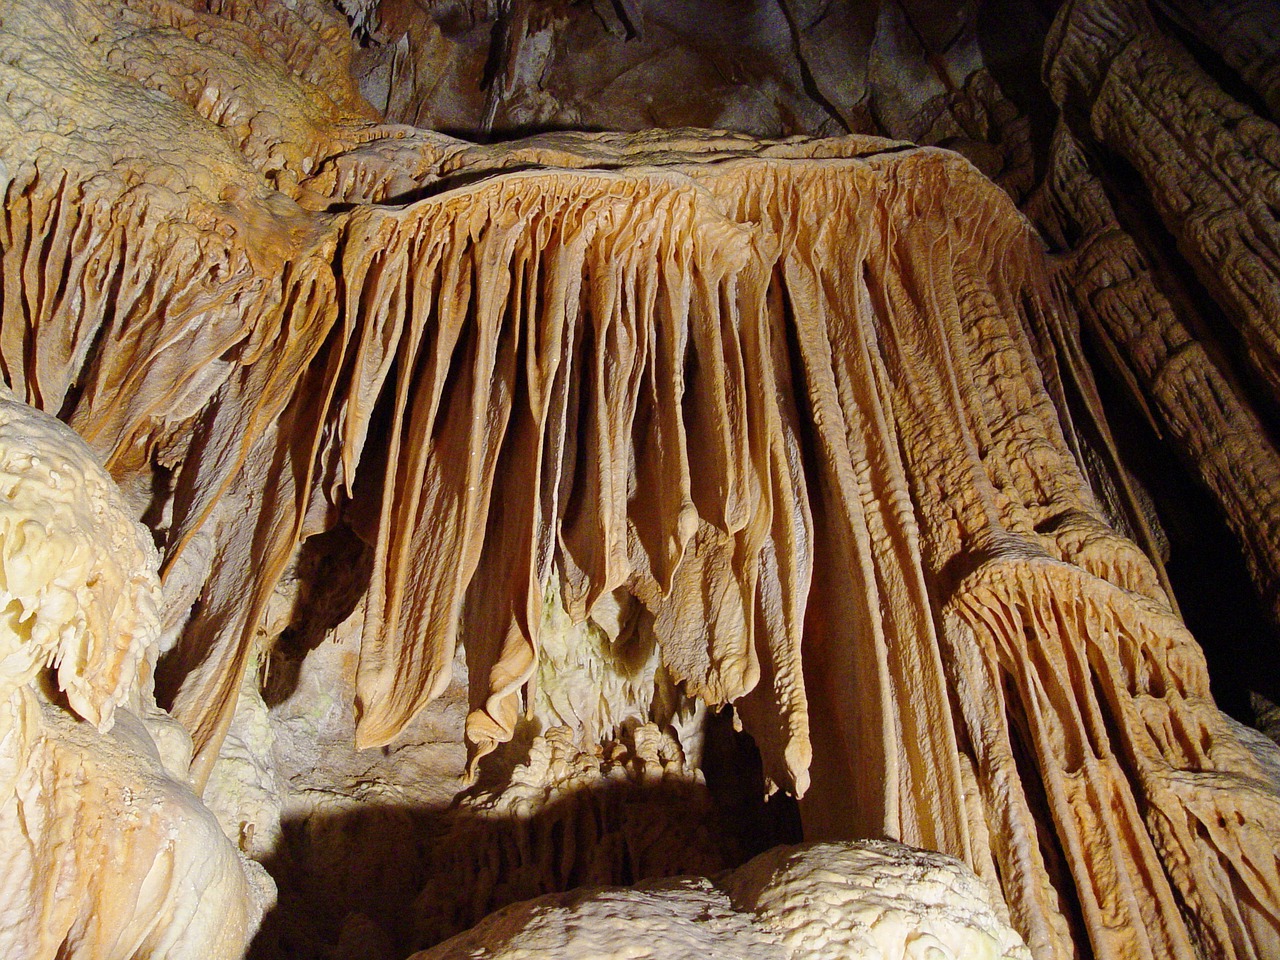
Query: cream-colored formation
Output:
(825,901)
(104,851)
(797,425)
(813,902)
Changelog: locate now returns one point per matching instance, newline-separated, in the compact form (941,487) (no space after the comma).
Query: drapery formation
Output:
(785,394)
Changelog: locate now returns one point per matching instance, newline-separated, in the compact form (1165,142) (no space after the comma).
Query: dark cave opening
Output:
(372,880)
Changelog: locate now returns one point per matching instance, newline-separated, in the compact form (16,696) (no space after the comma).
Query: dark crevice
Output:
(807,78)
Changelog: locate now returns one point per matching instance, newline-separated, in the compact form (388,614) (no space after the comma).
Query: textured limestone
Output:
(870,899)
(245,791)
(680,919)
(1245,33)
(1211,164)
(626,810)
(627,66)
(1117,294)
(104,851)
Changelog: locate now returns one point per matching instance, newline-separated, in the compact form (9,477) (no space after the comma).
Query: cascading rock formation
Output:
(804,411)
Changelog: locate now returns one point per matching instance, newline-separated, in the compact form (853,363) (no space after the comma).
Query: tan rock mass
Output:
(674,420)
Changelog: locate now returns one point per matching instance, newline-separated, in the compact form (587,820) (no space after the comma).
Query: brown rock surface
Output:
(1245,33)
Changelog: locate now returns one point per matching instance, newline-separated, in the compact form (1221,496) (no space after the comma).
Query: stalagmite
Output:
(869,899)
(104,851)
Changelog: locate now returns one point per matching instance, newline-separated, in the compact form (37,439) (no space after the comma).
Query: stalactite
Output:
(1245,33)
(1117,294)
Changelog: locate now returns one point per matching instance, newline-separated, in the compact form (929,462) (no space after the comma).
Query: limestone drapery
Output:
(784,393)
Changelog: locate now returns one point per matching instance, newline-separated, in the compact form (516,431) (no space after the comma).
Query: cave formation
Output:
(548,457)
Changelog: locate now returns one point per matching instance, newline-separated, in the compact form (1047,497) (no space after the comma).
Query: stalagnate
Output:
(1211,163)
(784,413)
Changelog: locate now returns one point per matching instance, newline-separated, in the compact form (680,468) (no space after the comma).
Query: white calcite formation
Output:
(872,899)
(104,852)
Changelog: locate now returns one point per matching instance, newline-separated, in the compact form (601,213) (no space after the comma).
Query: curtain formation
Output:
(799,398)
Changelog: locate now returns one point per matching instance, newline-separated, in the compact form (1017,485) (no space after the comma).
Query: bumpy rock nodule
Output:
(812,902)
